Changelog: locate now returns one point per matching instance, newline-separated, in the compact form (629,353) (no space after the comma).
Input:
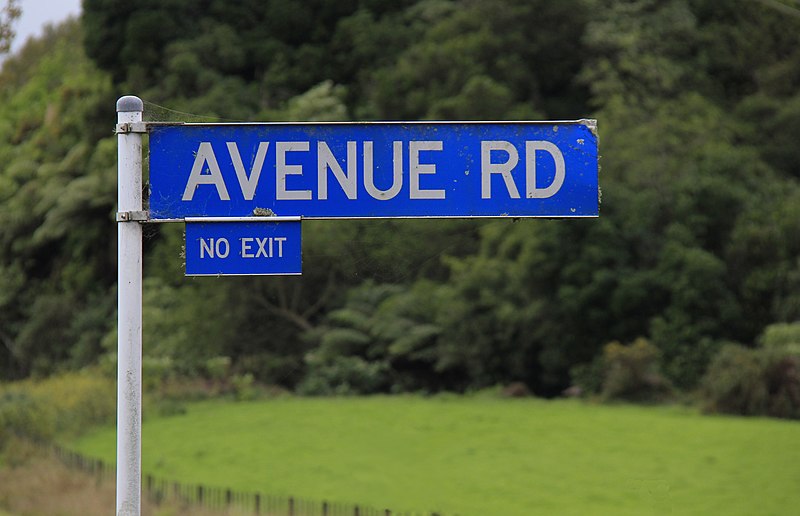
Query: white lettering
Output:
(282,170)
(206,248)
(205,154)
(280,241)
(262,242)
(344,170)
(504,169)
(416,169)
(530,169)
(326,160)
(219,247)
(248,184)
(246,252)
(397,173)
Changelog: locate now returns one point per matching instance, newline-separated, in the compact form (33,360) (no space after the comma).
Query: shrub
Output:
(270,368)
(587,378)
(244,388)
(621,372)
(782,336)
(751,382)
(782,376)
(632,372)
(733,383)
(344,376)
(79,400)
(156,371)
(516,390)
(24,416)
(218,368)
(60,405)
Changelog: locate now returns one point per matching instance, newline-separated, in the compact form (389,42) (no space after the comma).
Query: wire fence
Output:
(224,499)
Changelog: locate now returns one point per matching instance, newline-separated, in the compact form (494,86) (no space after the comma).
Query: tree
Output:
(696,245)
(57,193)
(382,340)
(481,59)
(9,14)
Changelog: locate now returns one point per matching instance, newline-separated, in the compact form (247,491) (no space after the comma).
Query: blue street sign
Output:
(243,247)
(375,170)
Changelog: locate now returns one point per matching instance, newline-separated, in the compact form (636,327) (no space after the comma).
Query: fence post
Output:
(291,506)
(258,503)
(160,491)
(355,511)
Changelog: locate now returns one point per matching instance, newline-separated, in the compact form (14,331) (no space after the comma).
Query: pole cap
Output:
(129,103)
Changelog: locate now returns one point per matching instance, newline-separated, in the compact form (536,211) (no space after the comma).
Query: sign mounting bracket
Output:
(133,216)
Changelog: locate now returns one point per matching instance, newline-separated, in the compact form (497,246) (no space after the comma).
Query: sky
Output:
(37,13)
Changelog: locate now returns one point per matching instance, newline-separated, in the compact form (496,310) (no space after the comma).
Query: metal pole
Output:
(129,306)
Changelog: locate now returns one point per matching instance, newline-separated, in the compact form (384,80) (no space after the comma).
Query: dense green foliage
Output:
(57,190)
(697,246)
(478,455)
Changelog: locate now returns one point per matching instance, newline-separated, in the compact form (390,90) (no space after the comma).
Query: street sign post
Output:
(129,307)
(375,170)
(247,246)
(218,177)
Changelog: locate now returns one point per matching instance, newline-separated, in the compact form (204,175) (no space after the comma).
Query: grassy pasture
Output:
(479,456)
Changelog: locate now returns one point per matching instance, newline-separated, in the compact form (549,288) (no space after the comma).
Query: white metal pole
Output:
(129,306)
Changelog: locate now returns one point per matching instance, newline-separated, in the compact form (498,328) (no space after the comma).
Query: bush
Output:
(753,382)
(80,400)
(587,379)
(218,368)
(270,368)
(784,336)
(782,376)
(344,376)
(733,383)
(62,405)
(22,416)
(244,388)
(632,372)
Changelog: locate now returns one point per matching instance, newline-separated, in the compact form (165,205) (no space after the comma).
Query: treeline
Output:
(697,248)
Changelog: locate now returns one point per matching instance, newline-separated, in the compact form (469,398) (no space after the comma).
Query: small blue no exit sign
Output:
(243,246)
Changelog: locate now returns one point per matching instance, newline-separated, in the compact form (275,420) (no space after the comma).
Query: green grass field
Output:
(479,456)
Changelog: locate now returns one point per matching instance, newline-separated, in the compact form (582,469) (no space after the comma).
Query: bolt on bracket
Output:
(133,216)
(131,127)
